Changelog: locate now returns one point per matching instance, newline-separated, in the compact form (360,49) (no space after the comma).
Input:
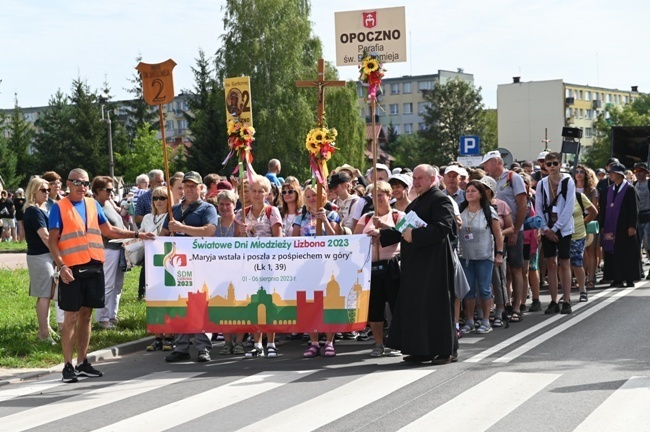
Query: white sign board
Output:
(470,161)
(379,31)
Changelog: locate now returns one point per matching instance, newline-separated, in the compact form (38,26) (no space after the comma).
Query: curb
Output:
(93,357)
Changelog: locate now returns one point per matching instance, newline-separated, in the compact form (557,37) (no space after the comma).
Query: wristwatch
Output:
(137,234)
(501,252)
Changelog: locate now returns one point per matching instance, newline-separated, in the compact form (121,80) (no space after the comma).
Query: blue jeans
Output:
(644,235)
(479,277)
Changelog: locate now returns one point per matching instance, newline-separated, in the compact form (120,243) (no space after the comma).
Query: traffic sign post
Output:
(470,145)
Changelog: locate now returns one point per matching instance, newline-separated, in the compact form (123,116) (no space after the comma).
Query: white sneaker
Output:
(106,325)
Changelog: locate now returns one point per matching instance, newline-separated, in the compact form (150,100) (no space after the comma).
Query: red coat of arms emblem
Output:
(369,19)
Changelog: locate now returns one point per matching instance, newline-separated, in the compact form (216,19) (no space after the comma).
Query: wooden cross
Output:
(320,83)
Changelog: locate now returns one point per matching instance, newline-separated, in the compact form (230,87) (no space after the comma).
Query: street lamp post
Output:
(103,98)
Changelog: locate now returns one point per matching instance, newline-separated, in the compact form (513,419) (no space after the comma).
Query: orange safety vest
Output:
(78,244)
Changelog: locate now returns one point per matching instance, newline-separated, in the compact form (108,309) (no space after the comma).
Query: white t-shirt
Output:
(261,225)
(346,209)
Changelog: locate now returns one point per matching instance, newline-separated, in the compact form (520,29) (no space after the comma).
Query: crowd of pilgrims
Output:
(495,236)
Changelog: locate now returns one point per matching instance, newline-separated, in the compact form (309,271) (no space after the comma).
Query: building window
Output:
(169,125)
(626,99)
(182,125)
(360,92)
(588,114)
(425,85)
(568,92)
(407,87)
(582,113)
(28,117)
(422,108)
(609,98)
(396,129)
(588,132)
(580,94)
(394,109)
(587,95)
(408,108)
(422,126)
(408,128)
(394,89)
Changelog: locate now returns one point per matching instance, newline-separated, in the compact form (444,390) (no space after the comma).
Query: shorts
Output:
(86,290)
(561,248)
(515,254)
(578,252)
(383,289)
(9,222)
(530,257)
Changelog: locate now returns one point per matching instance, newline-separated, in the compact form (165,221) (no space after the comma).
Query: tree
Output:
(454,109)
(271,41)
(407,150)
(351,140)
(145,155)
(635,114)
(206,119)
(138,112)
(53,143)
(19,142)
(89,141)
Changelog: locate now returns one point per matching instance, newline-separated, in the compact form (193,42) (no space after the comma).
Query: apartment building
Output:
(528,112)
(402,99)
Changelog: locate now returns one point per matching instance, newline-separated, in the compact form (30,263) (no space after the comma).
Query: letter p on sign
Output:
(470,145)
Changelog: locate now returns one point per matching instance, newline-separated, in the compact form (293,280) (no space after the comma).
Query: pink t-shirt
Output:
(388,252)
(503,210)
(261,226)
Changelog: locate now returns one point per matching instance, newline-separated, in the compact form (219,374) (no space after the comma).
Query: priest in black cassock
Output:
(422,326)
(618,219)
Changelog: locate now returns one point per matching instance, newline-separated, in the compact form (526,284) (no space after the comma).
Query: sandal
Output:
(590,284)
(271,352)
(254,353)
(328,350)
(312,351)
(516,317)
(497,322)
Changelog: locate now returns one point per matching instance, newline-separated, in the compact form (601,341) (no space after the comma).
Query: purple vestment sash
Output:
(611,215)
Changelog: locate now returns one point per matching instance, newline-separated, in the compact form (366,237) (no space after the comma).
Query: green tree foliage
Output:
(490,137)
(407,150)
(137,111)
(52,144)
(19,160)
(146,154)
(634,114)
(89,141)
(454,109)
(206,119)
(271,41)
(351,140)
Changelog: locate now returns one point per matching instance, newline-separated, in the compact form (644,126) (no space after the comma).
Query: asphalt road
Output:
(586,371)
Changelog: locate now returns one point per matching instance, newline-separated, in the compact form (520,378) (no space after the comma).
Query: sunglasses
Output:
(288,191)
(580,171)
(84,183)
(109,190)
(44,190)
(550,164)
(159,198)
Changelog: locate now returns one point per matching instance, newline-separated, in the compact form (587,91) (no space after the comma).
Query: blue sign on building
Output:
(470,145)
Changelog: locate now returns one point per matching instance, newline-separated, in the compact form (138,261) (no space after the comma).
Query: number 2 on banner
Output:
(157,82)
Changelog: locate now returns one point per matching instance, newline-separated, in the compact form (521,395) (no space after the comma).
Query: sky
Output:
(45,44)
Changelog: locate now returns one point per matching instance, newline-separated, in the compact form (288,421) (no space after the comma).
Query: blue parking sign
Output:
(470,145)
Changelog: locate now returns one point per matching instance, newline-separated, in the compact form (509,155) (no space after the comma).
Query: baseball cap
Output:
(490,182)
(338,178)
(617,168)
(402,178)
(224,185)
(193,176)
(382,167)
(20,190)
(454,168)
(613,161)
(542,155)
(601,171)
(490,155)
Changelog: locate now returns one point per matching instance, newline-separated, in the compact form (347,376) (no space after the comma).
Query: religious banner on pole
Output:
(232,285)
(238,100)
(378,31)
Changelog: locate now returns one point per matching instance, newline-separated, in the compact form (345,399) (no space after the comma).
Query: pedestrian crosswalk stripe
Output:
(506,390)
(562,327)
(193,407)
(526,333)
(624,410)
(330,406)
(93,399)
(16,391)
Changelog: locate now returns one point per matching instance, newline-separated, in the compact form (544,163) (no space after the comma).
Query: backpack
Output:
(548,208)
(368,206)
(268,210)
